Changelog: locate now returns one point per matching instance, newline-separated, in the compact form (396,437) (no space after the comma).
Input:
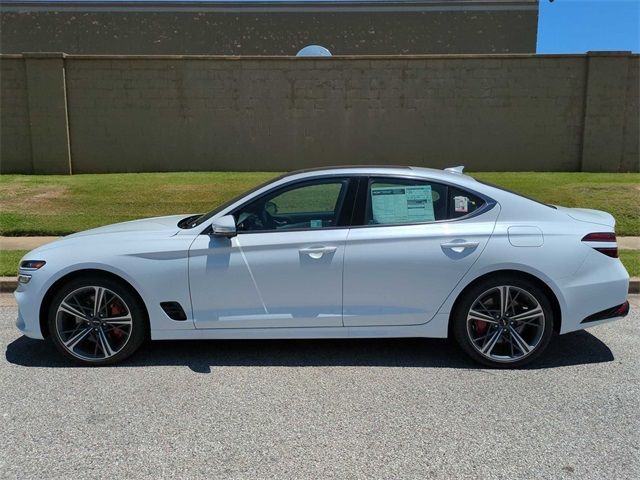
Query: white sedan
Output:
(347,252)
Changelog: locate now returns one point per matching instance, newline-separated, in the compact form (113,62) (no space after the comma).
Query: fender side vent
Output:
(174,310)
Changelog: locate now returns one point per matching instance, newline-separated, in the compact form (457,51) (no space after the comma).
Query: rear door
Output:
(416,241)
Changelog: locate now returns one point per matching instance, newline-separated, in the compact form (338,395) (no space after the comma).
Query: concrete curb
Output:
(9,284)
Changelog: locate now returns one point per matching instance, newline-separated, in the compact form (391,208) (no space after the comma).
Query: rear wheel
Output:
(96,321)
(504,322)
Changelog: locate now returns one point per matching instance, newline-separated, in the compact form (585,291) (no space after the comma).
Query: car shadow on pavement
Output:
(201,356)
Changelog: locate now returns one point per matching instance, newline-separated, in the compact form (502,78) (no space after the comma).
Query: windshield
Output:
(203,218)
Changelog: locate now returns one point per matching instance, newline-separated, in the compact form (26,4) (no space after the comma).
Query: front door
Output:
(284,267)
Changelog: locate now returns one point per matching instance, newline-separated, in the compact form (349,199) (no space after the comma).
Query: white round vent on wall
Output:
(313,51)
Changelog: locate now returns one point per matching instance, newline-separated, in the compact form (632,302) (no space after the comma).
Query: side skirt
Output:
(436,328)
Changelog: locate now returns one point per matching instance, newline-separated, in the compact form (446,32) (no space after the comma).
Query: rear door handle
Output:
(317,252)
(459,246)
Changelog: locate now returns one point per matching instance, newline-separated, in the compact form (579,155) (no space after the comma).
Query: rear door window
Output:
(397,201)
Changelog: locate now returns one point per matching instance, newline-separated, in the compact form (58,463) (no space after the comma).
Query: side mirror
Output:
(224,226)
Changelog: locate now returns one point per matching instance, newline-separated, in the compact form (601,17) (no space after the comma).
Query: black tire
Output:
(137,329)
(463,329)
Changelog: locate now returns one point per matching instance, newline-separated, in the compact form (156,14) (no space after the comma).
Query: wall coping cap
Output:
(306,6)
(235,58)
(41,55)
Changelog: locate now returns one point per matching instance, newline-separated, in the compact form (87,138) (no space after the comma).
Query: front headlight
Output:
(32,264)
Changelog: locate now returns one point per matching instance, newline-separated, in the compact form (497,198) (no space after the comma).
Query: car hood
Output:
(591,216)
(168,223)
(162,226)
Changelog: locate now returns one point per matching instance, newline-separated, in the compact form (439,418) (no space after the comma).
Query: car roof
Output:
(431,173)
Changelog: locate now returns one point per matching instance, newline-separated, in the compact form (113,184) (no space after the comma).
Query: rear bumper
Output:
(594,294)
(619,311)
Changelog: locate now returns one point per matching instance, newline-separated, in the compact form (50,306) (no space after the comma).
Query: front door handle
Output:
(317,252)
(459,246)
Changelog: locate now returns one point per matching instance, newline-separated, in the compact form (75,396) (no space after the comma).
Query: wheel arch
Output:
(48,296)
(553,299)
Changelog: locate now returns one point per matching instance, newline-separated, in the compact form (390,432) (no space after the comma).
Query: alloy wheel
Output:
(93,323)
(505,324)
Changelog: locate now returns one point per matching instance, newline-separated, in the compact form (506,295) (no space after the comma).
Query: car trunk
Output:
(590,216)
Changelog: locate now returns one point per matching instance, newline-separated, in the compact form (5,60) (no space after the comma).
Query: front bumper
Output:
(29,298)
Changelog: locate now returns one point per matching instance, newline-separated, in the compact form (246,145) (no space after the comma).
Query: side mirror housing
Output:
(224,226)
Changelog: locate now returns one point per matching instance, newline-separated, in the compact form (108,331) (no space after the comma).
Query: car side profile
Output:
(345,252)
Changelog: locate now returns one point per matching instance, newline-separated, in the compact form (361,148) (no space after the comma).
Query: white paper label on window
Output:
(410,204)
(316,223)
(461,204)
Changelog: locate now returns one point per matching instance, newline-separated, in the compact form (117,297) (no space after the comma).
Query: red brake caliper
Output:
(116,310)
(481,327)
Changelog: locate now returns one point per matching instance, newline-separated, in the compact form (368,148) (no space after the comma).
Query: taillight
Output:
(600,237)
(603,237)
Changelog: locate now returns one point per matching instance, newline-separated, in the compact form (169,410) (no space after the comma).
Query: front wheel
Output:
(504,322)
(96,321)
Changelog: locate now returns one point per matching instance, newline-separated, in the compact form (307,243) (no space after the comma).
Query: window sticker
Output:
(402,204)
(315,223)
(461,204)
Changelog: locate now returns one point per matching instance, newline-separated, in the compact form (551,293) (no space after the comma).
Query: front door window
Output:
(313,205)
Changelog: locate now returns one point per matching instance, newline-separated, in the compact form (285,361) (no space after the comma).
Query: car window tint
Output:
(314,198)
(308,206)
(399,201)
(462,203)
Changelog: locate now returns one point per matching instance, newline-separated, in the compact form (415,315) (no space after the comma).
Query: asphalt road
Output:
(322,409)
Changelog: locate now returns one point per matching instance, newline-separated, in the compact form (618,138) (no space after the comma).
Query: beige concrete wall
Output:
(631,144)
(611,114)
(496,112)
(15,134)
(275,28)
(48,119)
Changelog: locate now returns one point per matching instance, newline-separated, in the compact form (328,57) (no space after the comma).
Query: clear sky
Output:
(577,26)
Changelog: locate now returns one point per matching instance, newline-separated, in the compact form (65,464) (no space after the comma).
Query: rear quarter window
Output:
(462,203)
